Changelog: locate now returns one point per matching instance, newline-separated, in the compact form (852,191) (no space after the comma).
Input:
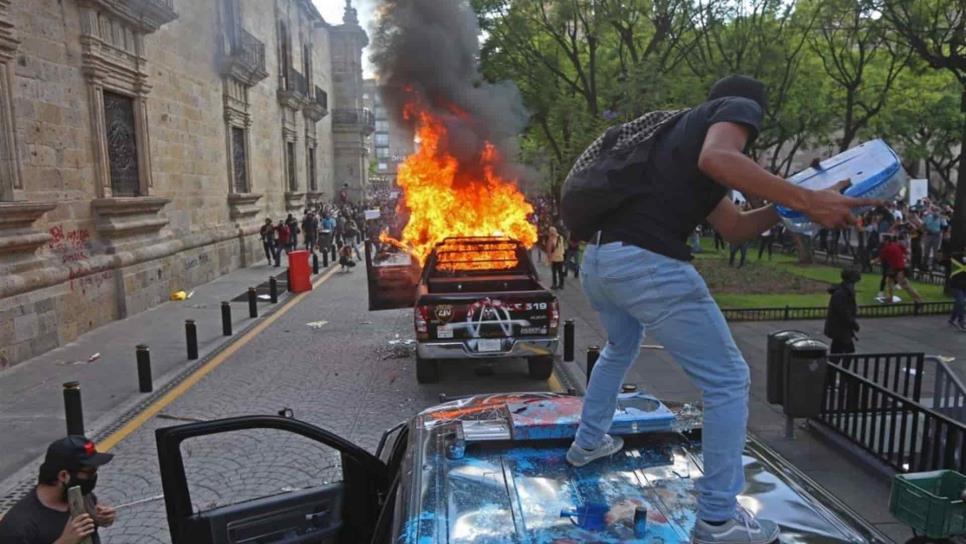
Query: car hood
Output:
(492,469)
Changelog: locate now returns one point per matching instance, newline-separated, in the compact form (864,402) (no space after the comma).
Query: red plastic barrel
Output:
(299,273)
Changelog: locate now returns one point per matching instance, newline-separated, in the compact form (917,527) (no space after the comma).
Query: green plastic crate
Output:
(930,502)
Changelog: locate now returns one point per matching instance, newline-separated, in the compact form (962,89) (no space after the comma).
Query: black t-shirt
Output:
(30,522)
(674,195)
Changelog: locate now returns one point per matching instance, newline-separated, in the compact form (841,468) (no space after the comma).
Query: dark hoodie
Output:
(841,323)
(673,195)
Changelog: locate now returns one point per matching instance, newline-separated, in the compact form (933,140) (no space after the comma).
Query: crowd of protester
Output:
(341,224)
(897,239)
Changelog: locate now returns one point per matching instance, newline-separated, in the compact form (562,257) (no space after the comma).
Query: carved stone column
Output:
(10,182)
(17,235)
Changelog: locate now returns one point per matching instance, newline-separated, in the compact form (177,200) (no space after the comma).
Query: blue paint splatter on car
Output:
(523,491)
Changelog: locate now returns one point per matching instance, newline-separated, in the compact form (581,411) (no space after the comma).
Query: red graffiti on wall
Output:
(72,246)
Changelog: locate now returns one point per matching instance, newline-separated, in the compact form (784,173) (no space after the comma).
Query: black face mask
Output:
(86,486)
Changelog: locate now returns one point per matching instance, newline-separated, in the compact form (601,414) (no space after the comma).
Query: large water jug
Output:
(873,168)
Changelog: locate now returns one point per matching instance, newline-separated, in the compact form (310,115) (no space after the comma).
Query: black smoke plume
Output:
(428,50)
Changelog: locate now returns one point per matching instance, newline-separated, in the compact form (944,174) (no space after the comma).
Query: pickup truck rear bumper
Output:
(465,349)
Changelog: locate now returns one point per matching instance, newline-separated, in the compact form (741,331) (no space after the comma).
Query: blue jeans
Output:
(635,290)
(959,306)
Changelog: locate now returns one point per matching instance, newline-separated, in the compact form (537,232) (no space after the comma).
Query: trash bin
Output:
(775,386)
(805,368)
(299,273)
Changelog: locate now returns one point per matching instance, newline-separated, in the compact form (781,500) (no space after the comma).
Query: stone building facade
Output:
(143,143)
(391,142)
(352,122)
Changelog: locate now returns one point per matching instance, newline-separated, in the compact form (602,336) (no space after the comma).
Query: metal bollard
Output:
(325,259)
(145,382)
(252,303)
(191,338)
(315,263)
(273,289)
(226,318)
(593,352)
(569,340)
(73,410)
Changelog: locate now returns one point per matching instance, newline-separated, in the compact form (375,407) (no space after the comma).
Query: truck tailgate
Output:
(467,316)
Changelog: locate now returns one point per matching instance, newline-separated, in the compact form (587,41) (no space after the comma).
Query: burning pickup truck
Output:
(475,298)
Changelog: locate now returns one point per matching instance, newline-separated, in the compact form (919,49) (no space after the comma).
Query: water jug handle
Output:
(841,186)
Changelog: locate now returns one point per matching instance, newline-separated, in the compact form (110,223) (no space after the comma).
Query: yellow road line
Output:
(180,389)
(555,385)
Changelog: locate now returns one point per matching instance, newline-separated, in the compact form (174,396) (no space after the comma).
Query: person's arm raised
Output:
(736,226)
(722,159)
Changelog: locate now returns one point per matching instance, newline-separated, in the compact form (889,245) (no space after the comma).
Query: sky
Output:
(332,11)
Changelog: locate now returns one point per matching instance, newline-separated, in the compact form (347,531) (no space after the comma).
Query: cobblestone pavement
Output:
(31,405)
(343,376)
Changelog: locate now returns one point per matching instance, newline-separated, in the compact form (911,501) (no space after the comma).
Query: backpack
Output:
(605,174)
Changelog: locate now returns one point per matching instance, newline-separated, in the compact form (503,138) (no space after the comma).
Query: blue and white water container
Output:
(873,167)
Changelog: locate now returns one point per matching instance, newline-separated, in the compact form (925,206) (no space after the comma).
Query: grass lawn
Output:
(782,281)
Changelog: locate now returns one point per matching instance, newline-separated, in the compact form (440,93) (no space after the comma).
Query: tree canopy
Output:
(838,72)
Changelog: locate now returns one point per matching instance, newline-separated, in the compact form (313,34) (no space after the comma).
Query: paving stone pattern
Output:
(343,376)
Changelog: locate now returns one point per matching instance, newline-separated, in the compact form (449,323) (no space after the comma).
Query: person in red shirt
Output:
(893,257)
(282,235)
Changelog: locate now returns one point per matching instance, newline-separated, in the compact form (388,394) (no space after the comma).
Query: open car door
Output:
(338,512)
(393,276)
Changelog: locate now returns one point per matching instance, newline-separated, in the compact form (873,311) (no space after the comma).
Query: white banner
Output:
(372,214)
(918,190)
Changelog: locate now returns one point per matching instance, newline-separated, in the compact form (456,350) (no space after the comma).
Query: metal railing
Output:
(932,277)
(250,50)
(166,4)
(900,373)
(819,312)
(891,427)
(359,116)
(949,391)
(321,98)
(295,82)
(903,374)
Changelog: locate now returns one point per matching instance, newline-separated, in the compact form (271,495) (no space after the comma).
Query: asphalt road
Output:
(343,373)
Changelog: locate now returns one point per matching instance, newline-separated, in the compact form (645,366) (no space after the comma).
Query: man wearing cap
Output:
(637,276)
(43,515)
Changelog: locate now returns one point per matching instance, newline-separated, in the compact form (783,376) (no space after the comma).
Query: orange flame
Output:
(478,256)
(444,201)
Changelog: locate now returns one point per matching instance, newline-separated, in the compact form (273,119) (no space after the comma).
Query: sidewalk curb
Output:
(17,484)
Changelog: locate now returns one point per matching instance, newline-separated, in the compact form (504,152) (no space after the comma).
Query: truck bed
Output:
(483,284)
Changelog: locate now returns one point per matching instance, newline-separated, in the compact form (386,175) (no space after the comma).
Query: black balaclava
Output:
(743,86)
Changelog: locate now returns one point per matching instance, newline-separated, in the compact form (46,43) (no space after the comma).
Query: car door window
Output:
(233,467)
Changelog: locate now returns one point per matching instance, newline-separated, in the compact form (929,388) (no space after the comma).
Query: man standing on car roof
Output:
(637,275)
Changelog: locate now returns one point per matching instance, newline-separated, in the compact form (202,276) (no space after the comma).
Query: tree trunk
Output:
(958,225)
(803,245)
(848,131)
